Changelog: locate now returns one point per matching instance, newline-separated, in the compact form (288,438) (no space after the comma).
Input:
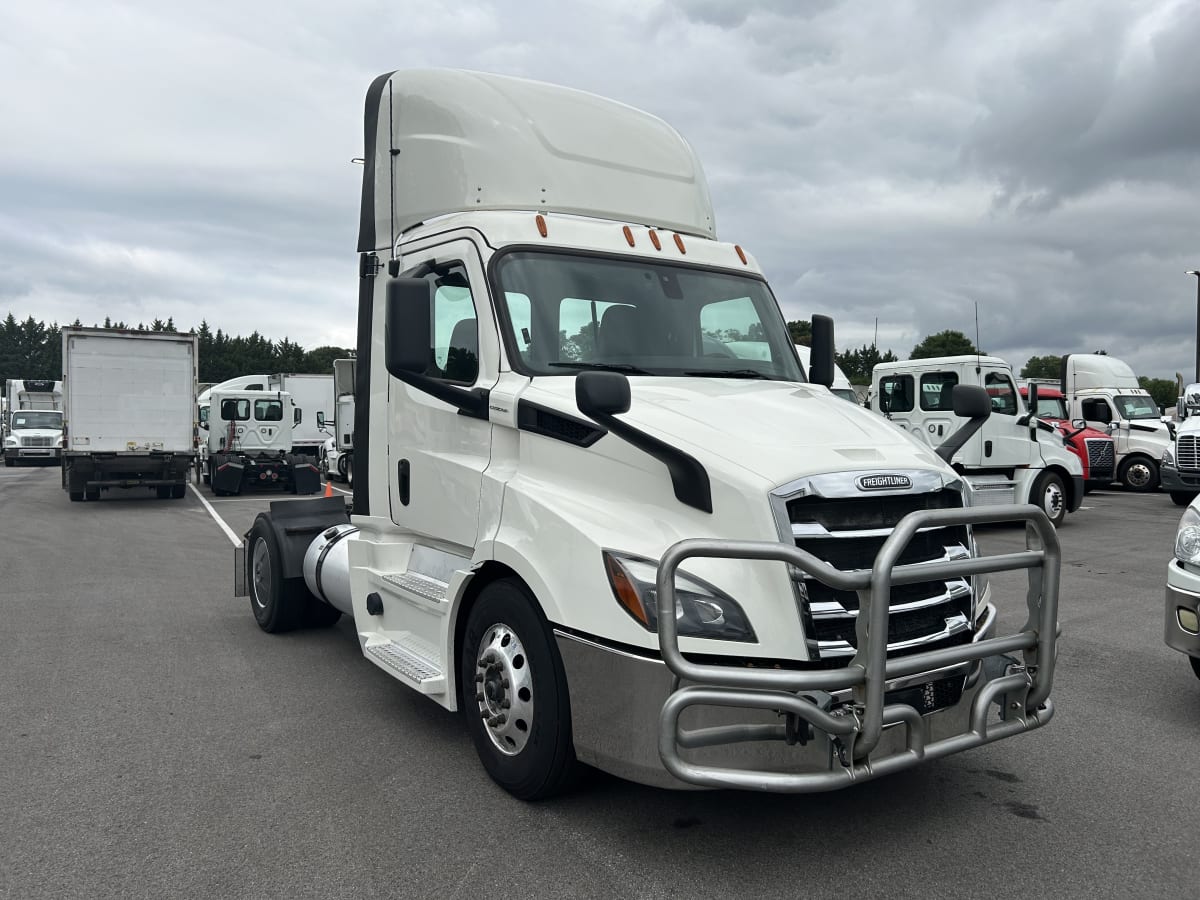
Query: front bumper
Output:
(677,721)
(1173,479)
(1183,593)
(33,453)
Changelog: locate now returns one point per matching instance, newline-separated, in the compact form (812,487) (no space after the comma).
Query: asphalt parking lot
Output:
(155,743)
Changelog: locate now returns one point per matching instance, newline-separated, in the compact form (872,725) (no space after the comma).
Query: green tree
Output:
(857,364)
(944,343)
(801,332)
(320,359)
(1164,390)
(1042,367)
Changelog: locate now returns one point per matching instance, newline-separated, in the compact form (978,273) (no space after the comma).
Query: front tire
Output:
(1139,474)
(1181,498)
(350,473)
(515,693)
(76,496)
(1195,665)
(1050,496)
(279,604)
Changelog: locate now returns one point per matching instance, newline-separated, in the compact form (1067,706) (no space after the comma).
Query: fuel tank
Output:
(327,566)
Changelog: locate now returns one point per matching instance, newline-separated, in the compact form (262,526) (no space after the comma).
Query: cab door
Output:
(1001,442)
(437,455)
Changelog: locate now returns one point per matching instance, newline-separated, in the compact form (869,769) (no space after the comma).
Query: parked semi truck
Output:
(1103,392)
(203,408)
(337,458)
(129,411)
(602,542)
(1179,466)
(1096,449)
(250,443)
(1013,458)
(313,398)
(31,421)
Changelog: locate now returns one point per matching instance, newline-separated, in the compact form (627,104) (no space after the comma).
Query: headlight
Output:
(11,442)
(1168,458)
(1187,539)
(700,609)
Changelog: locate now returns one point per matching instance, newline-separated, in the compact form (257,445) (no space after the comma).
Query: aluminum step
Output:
(415,662)
(415,583)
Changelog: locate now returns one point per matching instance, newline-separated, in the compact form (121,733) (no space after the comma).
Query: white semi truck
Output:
(129,411)
(337,459)
(1179,466)
(596,537)
(1103,392)
(250,443)
(313,399)
(1013,458)
(31,424)
(204,407)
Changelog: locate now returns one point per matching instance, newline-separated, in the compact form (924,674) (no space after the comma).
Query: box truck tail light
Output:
(628,232)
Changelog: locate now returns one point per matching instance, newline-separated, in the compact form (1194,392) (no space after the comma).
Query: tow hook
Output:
(843,745)
(798,731)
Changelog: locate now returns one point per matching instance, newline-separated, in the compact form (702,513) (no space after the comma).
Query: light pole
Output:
(1197,274)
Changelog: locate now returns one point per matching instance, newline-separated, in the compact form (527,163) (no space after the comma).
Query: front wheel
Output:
(1181,498)
(1051,497)
(515,693)
(1140,474)
(1195,665)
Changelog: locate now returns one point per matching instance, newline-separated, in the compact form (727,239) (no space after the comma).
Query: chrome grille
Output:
(1187,452)
(37,441)
(848,532)
(1102,458)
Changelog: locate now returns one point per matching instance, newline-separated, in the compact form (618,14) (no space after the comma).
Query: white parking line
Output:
(212,512)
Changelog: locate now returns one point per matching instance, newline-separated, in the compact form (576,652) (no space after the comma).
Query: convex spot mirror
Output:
(407,331)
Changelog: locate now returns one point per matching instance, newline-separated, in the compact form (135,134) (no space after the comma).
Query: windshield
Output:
(1136,406)
(1051,408)
(37,419)
(569,312)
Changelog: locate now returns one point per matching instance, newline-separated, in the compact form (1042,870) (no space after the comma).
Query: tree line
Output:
(33,349)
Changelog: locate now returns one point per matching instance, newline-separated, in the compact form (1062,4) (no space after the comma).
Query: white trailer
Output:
(599,537)
(313,396)
(31,421)
(129,411)
(337,460)
(1104,392)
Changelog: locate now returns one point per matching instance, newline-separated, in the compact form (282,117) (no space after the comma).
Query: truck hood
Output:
(777,430)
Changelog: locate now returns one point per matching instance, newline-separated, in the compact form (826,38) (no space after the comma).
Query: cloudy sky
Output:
(899,160)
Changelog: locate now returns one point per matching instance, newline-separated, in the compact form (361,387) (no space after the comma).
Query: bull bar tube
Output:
(855,728)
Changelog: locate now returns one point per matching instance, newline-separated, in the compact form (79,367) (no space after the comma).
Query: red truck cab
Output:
(1095,449)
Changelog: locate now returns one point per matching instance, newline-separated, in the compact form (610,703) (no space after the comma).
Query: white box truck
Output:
(313,397)
(31,421)
(1013,458)
(129,411)
(602,540)
(1103,392)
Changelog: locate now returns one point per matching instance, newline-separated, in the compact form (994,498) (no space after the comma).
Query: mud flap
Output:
(239,570)
(227,477)
(306,478)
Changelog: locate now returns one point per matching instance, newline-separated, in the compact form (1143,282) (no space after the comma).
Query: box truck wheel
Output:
(9,462)
(163,491)
(76,496)
(93,494)
(1050,497)
(1139,473)
(515,693)
(178,491)
(279,604)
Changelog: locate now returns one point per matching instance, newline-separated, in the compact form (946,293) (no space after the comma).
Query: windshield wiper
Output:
(606,367)
(725,373)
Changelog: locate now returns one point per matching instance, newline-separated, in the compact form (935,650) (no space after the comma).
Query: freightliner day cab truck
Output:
(250,443)
(129,411)
(31,424)
(337,460)
(601,541)
(204,407)
(1103,392)
(1013,458)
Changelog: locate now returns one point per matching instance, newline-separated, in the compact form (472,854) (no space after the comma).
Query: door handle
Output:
(403,480)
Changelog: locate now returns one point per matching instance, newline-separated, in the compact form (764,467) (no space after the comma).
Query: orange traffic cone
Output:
(328,489)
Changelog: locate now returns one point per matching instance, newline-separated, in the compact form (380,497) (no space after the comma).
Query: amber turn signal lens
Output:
(655,241)
(679,244)
(627,594)
(541,224)
(628,235)
(741,254)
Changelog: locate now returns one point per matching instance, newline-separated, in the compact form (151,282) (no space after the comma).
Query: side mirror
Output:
(1033,405)
(971,402)
(407,328)
(320,419)
(1079,423)
(820,369)
(602,393)
(297,415)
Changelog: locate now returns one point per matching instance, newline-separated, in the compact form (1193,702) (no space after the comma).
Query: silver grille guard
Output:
(1022,692)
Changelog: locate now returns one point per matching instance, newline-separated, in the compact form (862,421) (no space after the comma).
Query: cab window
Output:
(1001,392)
(455,327)
(896,394)
(235,410)
(268,411)
(936,388)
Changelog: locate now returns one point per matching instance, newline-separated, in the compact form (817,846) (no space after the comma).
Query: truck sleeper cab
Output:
(1095,449)
(605,535)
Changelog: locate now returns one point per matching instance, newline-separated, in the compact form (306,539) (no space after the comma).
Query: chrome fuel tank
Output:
(327,566)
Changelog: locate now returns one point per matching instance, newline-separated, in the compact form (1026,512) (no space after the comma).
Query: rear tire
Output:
(76,496)
(341,467)
(519,711)
(279,604)
(163,491)
(320,614)
(350,473)
(92,495)
(178,491)
(1050,496)
(1139,474)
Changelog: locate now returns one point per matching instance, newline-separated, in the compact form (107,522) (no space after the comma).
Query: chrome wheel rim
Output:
(1138,475)
(504,689)
(260,573)
(1053,501)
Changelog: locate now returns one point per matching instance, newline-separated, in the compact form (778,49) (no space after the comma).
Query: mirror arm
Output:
(471,402)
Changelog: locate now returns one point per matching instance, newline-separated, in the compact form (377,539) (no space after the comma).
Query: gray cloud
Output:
(901,161)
